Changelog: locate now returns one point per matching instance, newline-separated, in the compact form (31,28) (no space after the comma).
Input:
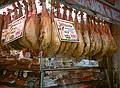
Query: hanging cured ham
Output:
(86,37)
(30,33)
(98,39)
(45,28)
(70,47)
(30,38)
(23,39)
(41,32)
(80,45)
(92,36)
(105,42)
(62,44)
(55,41)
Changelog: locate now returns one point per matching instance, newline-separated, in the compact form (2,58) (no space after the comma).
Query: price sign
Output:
(15,30)
(66,30)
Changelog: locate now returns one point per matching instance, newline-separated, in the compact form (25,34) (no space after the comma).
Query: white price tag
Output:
(15,30)
(66,31)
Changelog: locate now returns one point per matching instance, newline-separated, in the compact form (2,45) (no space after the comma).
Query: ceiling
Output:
(3,3)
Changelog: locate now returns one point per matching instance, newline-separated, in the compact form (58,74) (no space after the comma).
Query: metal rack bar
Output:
(41,71)
(72,68)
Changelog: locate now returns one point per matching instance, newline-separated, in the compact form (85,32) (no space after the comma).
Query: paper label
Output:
(15,30)
(66,31)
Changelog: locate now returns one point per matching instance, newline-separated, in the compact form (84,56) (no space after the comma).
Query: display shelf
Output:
(70,68)
(20,68)
(67,69)
(74,83)
(12,85)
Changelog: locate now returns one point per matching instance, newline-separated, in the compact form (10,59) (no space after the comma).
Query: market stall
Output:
(57,43)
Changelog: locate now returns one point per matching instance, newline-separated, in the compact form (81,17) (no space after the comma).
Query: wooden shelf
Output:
(67,84)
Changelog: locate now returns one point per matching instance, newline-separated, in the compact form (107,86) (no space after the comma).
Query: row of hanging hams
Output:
(29,38)
(41,32)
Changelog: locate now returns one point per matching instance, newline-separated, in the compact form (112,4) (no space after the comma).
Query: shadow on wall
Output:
(115,30)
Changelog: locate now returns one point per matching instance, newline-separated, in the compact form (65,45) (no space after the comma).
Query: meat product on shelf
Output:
(20,80)
(86,37)
(70,46)
(55,41)
(10,62)
(23,63)
(80,45)
(45,28)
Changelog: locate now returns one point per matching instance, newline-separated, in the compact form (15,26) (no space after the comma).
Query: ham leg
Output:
(98,39)
(62,45)
(23,41)
(80,46)
(86,37)
(105,42)
(55,41)
(46,26)
(70,47)
(93,36)
(30,38)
